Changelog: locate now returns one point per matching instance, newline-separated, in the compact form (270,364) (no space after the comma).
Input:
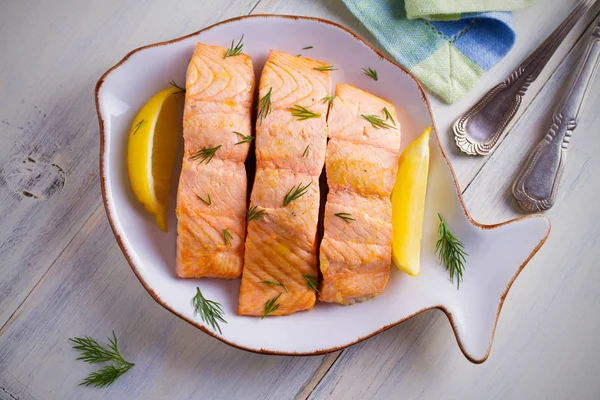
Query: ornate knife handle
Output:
(537,184)
(478,131)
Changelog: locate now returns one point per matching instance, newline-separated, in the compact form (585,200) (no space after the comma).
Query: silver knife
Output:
(536,185)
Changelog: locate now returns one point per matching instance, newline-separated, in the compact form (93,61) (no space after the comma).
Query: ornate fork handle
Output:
(536,186)
(497,108)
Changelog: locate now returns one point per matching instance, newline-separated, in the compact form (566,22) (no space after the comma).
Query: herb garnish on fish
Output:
(302,113)
(207,202)
(254,213)
(295,193)
(235,50)
(312,282)
(274,284)
(388,116)
(270,306)
(264,106)
(205,154)
(377,121)
(245,138)
(227,237)
(326,68)
(345,216)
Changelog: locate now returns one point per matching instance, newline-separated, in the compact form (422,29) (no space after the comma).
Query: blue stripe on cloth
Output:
(406,40)
(488,40)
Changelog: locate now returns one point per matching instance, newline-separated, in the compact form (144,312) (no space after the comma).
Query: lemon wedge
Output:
(152,150)
(408,205)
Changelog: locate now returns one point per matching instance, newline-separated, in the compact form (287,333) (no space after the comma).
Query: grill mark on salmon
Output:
(218,101)
(282,245)
(361,166)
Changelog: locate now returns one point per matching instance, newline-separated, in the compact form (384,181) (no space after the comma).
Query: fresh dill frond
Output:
(254,213)
(93,352)
(307,48)
(295,193)
(270,306)
(245,138)
(207,202)
(235,50)
(210,311)
(451,252)
(305,153)
(271,283)
(345,216)
(312,282)
(205,154)
(138,125)
(264,106)
(326,68)
(328,99)
(377,121)
(388,116)
(371,73)
(302,113)
(227,237)
(176,86)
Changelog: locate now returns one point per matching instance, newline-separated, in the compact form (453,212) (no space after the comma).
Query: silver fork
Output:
(478,131)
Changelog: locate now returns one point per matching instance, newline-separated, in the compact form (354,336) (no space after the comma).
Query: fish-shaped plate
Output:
(497,253)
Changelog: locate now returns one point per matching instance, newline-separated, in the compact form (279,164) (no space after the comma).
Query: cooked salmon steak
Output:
(211,198)
(291,137)
(361,166)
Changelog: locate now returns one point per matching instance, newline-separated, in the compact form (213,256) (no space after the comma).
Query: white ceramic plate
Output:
(496,253)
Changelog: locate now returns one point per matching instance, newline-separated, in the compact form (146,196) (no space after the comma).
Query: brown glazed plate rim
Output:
(455,183)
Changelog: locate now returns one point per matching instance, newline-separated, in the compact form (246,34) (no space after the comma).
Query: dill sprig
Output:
(345,216)
(451,252)
(210,311)
(254,213)
(326,68)
(227,237)
(271,283)
(264,106)
(205,154)
(235,50)
(138,125)
(245,138)
(377,121)
(371,73)
(270,306)
(207,202)
(302,113)
(176,86)
(307,48)
(388,116)
(305,153)
(295,193)
(328,99)
(312,282)
(93,352)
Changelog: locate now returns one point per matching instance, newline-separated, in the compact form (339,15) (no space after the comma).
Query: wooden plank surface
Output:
(62,273)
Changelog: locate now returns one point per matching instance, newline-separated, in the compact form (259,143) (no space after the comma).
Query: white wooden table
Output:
(63,275)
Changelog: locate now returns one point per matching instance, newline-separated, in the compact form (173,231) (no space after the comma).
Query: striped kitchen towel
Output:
(447,45)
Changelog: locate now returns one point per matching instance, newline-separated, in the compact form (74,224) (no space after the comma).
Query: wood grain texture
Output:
(48,127)
(545,344)
(61,245)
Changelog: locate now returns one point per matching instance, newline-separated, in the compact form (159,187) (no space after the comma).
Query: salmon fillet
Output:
(211,198)
(361,166)
(281,244)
